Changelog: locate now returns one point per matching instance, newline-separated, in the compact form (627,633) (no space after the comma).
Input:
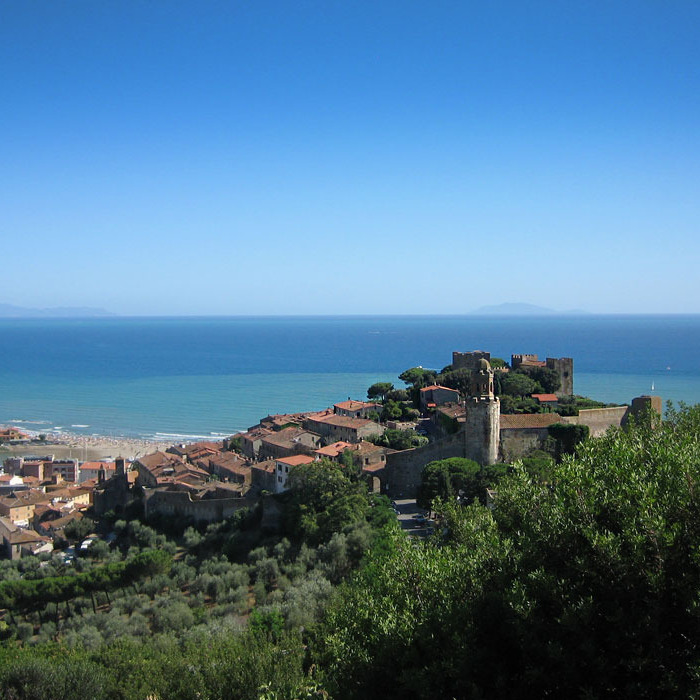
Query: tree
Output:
(418,377)
(519,384)
(379,391)
(78,529)
(459,379)
(446,478)
(399,439)
(566,438)
(547,378)
(391,411)
(586,585)
(457,478)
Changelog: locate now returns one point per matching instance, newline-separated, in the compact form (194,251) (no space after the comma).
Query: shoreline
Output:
(85,448)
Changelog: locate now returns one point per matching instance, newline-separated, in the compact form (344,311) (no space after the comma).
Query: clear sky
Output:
(323,157)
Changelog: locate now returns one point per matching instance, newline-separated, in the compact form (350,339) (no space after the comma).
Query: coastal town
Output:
(390,438)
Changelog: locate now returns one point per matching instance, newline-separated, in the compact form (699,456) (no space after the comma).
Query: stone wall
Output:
(599,420)
(402,475)
(180,504)
(519,442)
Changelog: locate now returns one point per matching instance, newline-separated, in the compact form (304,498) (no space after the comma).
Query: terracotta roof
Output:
(345,421)
(335,449)
(519,421)
(374,467)
(158,459)
(364,447)
(544,398)
(286,437)
(452,410)
(438,386)
(107,466)
(267,466)
(294,460)
(351,405)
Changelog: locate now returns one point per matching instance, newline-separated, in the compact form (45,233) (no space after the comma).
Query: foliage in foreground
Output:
(587,586)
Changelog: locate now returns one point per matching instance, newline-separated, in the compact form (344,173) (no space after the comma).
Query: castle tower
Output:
(564,367)
(481,382)
(482,430)
(646,408)
(469,360)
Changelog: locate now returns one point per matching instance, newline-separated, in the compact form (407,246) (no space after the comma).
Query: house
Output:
(12,435)
(228,467)
(251,440)
(41,469)
(363,453)
(547,400)
(91,470)
(162,468)
(356,409)
(334,428)
(196,450)
(436,395)
(18,506)
(283,467)
(333,451)
(448,419)
(9,482)
(17,541)
(263,475)
(67,469)
(287,442)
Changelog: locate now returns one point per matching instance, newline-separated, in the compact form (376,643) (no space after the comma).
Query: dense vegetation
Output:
(585,586)
(583,581)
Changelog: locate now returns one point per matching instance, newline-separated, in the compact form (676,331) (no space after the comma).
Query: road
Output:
(408,517)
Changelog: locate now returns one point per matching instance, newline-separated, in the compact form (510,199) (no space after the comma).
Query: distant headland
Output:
(522,309)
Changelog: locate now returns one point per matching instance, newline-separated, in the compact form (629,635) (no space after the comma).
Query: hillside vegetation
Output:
(582,582)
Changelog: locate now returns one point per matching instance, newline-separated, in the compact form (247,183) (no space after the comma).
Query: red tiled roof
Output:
(335,449)
(344,421)
(351,405)
(438,386)
(544,398)
(294,460)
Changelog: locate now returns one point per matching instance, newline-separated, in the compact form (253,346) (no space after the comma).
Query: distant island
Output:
(521,309)
(10,311)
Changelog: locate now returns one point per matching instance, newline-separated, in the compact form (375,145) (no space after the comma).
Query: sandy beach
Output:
(84,448)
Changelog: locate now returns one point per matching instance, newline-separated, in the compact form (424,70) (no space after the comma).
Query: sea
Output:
(206,377)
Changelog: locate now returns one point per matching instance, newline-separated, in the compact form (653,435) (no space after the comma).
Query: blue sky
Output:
(320,157)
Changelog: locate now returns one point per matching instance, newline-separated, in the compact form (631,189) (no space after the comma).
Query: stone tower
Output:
(469,360)
(564,367)
(482,428)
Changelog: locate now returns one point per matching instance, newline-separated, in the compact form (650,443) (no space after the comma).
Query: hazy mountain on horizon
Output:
(521,309)
(11,311)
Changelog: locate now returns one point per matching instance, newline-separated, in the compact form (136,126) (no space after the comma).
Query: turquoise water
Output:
(214,376)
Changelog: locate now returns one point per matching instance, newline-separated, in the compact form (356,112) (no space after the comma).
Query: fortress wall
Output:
(519,442)
(180,504)
(402,475)
(599,420)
